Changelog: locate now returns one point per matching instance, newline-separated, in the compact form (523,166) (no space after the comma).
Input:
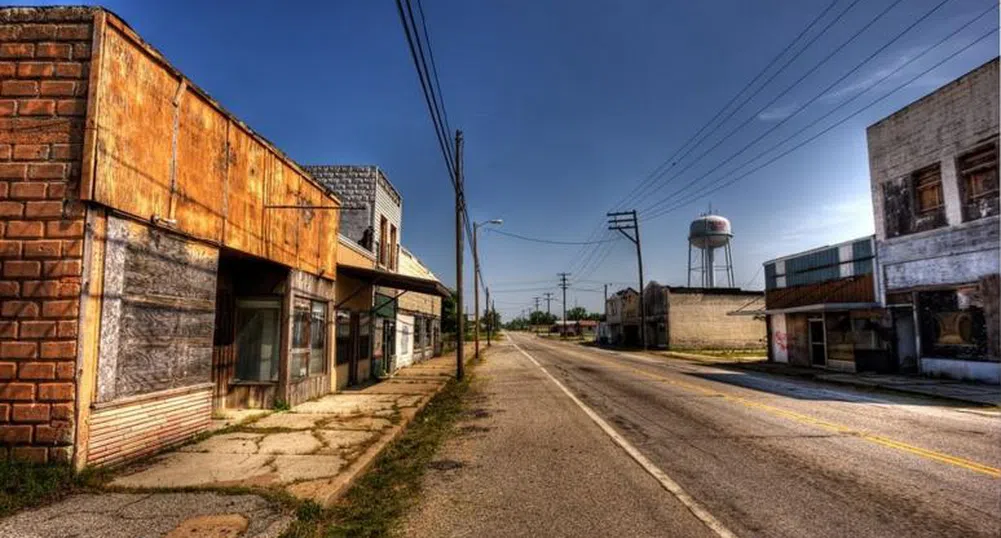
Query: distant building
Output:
(823,310)
(622,313)
(682,317)
(934,173)
(583,327)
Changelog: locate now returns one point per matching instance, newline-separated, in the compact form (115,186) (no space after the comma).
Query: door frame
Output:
(809,331)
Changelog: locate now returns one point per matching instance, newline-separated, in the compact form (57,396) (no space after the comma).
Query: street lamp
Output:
(476,285)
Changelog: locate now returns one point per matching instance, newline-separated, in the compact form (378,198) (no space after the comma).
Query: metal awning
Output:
(395,280)
(823,307)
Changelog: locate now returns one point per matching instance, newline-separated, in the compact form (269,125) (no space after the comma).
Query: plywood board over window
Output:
(978,173)
(158,312)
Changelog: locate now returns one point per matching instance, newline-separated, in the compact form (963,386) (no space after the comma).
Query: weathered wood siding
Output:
(121,432)
(165,150)
(158,313)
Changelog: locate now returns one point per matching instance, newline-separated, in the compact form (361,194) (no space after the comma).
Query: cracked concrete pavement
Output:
(131,515)
(312,451)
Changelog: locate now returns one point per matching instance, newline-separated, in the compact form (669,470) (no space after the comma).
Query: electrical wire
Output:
(815,136)
(802,107)
(546,241)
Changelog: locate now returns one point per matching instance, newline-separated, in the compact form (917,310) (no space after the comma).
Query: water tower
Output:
(709,233)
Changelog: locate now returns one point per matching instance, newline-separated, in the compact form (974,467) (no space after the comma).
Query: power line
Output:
(701,194)
(546,241)
(781,94)
(660,170)
(801,108)
(657,171)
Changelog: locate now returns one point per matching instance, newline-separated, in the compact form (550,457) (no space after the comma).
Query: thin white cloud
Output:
(778,113)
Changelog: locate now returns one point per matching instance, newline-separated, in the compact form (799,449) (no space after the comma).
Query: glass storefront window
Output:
(317,337)
(257,339)
(343,337)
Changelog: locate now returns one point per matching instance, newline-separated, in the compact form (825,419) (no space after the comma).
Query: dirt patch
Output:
(480,413)
(214,526)
(445,465)
(473,429)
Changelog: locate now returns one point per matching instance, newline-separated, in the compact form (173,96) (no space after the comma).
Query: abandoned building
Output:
(823,310)
(622,317)
(934,174)
(160,260)
(680,317)
(384,292)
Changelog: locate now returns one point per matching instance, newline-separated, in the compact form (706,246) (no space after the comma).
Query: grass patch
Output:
(724,353)
(377,502)
(29,485)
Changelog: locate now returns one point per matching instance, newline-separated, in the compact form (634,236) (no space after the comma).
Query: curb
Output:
(343,482)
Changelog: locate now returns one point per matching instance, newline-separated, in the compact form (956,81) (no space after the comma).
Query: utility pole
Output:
(549,298)
(536,309)
(460,326)
(563,286)
(489,318)
(625,221)
(476,298)
(605,307)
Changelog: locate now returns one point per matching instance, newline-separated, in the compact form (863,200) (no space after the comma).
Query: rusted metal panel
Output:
(245,218)
(200,169)
(163,149)
(280,225)
(856,289)
(134,129)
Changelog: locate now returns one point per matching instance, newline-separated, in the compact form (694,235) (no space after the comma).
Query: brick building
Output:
(934,174)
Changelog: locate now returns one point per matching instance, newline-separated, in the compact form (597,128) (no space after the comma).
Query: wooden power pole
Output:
(624,222)
(563,286)
(460,326)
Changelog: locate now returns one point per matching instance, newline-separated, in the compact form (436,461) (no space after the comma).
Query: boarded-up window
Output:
(158,312)
(978,173)
(953,324)
(928,191)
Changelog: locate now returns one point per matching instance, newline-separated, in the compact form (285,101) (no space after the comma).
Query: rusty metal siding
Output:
(856,289)
(167,153)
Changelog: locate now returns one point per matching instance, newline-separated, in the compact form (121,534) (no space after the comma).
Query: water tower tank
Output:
(708,233)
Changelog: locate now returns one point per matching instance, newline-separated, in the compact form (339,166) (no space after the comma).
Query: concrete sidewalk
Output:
(313,451)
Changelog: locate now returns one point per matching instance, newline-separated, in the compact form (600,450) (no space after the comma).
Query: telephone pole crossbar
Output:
(626,223)
(564,285)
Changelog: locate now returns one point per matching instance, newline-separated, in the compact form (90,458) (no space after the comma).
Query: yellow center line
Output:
(806,419)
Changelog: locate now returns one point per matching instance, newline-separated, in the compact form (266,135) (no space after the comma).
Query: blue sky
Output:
(566,106)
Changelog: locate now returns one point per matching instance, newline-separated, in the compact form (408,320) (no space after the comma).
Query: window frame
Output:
(964,176)
(301,339)
(920,181)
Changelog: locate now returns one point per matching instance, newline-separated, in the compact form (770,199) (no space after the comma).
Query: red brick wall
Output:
(44,61)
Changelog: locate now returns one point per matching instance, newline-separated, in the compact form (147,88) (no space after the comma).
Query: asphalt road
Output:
(714,452)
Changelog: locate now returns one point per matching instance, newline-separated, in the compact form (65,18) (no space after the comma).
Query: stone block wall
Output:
(355,186)
(44,66)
